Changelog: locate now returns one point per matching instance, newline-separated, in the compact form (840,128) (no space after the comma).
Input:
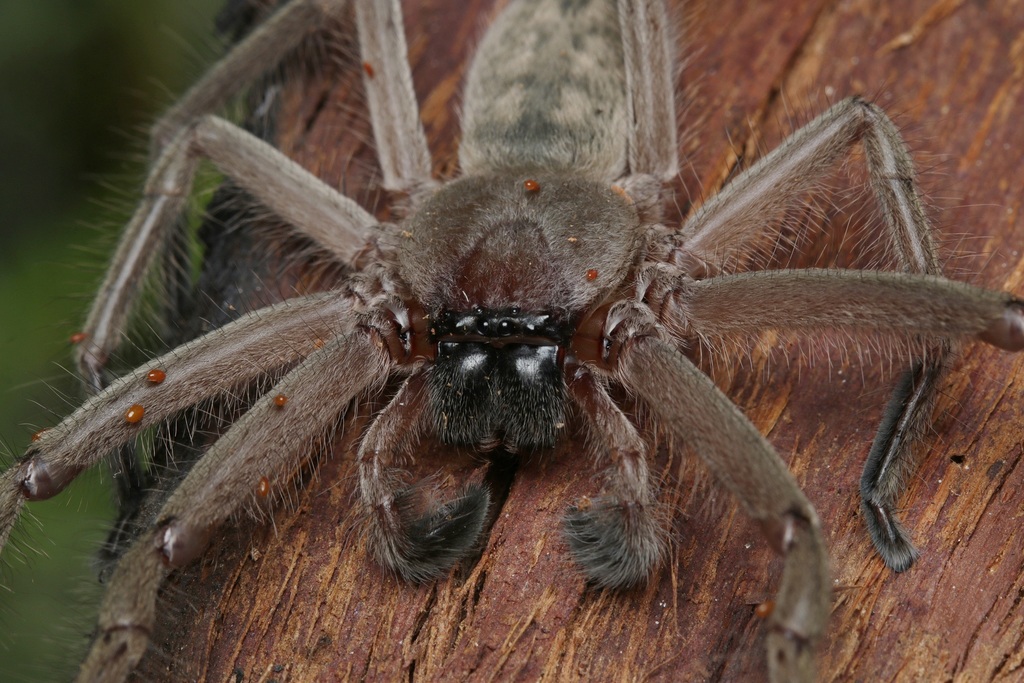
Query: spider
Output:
(499,340)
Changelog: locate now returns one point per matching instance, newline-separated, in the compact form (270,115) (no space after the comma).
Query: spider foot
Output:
(423,546)
(890,538)
(616,542)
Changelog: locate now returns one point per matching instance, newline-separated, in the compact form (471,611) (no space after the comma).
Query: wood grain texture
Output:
(300,600)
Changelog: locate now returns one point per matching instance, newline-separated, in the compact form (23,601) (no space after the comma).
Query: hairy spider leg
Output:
(267,444)
(187,133)
(732,220)
(409,532)
(617,537)
(696,412)
(225,359)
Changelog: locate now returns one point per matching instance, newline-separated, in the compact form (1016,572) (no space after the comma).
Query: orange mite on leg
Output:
(156,376)
(134,414)
(263,488)
(280,400)
(77,337)
(368,69)
(531,185)
(38,435)
(592,274)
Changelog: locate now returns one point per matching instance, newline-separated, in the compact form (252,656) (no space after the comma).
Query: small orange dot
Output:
(38,435)
(78,337)
(622,193)
(134,414)
(280,400)
(263,488)
(592,274)
(531,185)
(765,609)
(368,68)
(156,376)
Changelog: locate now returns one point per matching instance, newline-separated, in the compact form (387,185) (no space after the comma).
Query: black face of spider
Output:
(497,378)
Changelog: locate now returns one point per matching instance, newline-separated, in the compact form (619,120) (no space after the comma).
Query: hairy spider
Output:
(507,302)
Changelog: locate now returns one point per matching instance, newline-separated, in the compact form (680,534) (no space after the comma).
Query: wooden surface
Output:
(301,600)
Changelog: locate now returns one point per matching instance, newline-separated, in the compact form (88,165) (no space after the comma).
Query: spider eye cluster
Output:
(491,325)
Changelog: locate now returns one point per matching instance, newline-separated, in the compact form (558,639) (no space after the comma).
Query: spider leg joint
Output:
(1008,331)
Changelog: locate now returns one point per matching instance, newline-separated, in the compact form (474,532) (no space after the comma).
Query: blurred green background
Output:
(80,80)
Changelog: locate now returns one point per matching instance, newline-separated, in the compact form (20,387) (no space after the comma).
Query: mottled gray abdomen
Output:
(547,90)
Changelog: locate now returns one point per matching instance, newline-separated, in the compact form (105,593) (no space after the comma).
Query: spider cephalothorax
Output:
(537,286)
(515,263)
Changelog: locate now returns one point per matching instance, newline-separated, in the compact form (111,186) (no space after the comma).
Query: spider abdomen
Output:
(547,89)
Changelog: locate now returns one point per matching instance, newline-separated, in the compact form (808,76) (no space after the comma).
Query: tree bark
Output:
(300,599)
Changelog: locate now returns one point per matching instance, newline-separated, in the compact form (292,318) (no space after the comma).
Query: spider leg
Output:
(923,306)
(409,533)
(188,132)
(264,48)
(689,404)
(260,453)
(908,413)
(171,176)
(731,222)
(326,216)
(401,143)
(397,129)
(225,359)
(650,92)
(616,538)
